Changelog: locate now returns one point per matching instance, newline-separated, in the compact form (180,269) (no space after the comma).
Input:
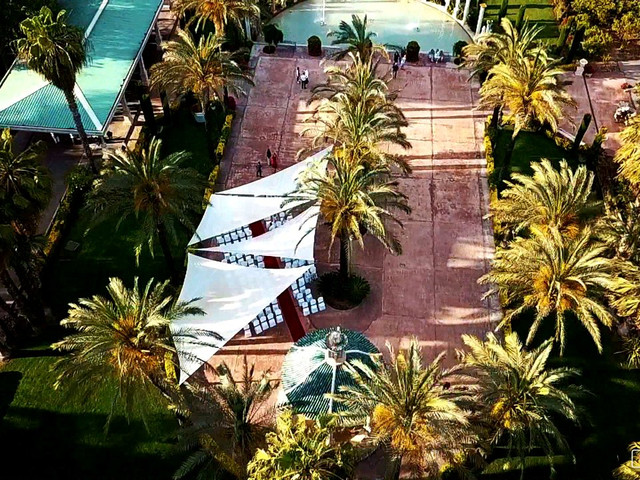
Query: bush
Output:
(224,136)
(457,48)
(413,51)
(272,35)
(314,46)
(597,42)
(341,293)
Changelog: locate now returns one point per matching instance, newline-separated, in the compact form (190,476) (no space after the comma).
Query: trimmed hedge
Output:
(314,46)
(413,51)
(222,143)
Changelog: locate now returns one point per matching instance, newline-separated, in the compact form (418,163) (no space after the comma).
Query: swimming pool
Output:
(395,22)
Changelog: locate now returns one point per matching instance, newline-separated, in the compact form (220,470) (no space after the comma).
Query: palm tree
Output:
(629,470)
(218,12)
(352,198)
(532,90)
(550,198)
(302,449)
(553,277)
(124,340)
(619,228)
(628,155)
(160,192)
(491,49)
(231,410)
(56,51)
(357,38)
(356,112)
(201,68)
(408,409)
(518,397)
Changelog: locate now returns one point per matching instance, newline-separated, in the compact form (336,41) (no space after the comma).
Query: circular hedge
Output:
(343,293)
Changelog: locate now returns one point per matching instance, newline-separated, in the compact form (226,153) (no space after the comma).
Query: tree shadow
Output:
(9,382)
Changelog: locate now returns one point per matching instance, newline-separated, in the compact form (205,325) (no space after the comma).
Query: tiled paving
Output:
(431,290)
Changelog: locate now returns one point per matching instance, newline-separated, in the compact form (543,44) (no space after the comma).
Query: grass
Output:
(538,11)
(53,435)
(50,434)
(530,147)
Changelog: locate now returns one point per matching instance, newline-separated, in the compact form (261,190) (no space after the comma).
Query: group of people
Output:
(272,161)
(436,56)
(398,63)
(302,78)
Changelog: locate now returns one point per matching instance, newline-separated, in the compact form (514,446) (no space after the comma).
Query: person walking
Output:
(394,69)
(306,78)
(303,81)
(268,155)
(396,57)
(403,60)
(259,169)
(274,161)
(297,74)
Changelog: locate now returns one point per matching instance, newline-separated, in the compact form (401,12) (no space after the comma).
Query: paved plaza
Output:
(431,290)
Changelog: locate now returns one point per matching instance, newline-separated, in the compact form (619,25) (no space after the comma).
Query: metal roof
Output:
(307,377)
(116,31)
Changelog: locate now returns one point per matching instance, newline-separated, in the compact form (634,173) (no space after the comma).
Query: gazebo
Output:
(316,365)
(116,32)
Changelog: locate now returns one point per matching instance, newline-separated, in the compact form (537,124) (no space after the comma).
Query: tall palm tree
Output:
(201,68)
(549,198)
(357,38)
(532,90)
(218,12)
(357,113)
(491,49)
(518,396)
(554,277)
(125,341)
(408,409)
(56,50)
(352,197)
(629,470)
(628,155)
(160,192)
(302,449)
(229,409)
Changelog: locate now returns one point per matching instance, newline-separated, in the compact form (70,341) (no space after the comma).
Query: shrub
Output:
(413,51)
(627,27)
(272,35)
(314,46)
(597,42)
(457,48)
(341,293)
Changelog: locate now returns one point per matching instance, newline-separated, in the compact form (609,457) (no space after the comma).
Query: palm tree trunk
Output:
(345,256)
(163,238)
(495,117)
(506,163)
(393,469)
(73,106)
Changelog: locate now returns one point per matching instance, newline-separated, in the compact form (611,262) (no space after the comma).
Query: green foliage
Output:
(304,449)
(458,47)
(629,470)
(341,292)
(597,42)
(413,51)
(272,34)
(627,27)
(358,39)
(314,46)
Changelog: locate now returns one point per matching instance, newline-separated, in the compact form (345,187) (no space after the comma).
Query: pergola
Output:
(117,32)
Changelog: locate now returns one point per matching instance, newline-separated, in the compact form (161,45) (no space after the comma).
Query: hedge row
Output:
(222,143)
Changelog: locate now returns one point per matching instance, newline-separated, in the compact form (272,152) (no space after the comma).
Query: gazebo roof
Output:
(116,31)
(307,376)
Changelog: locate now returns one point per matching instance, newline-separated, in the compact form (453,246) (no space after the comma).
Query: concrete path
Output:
(430,291)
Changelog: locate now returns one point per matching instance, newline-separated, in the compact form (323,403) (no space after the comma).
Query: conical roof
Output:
(308,375)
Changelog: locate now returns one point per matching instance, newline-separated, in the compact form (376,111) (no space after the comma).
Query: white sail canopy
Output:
(240,206)
(231,297)
(294,239)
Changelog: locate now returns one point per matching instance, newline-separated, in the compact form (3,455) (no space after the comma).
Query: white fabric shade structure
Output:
(231,296)
(252,202)
(294,239)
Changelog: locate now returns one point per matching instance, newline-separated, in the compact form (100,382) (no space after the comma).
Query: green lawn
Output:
(47,435)
(538,11)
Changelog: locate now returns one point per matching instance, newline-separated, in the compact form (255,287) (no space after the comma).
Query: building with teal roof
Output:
(316,366)
(117,32)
